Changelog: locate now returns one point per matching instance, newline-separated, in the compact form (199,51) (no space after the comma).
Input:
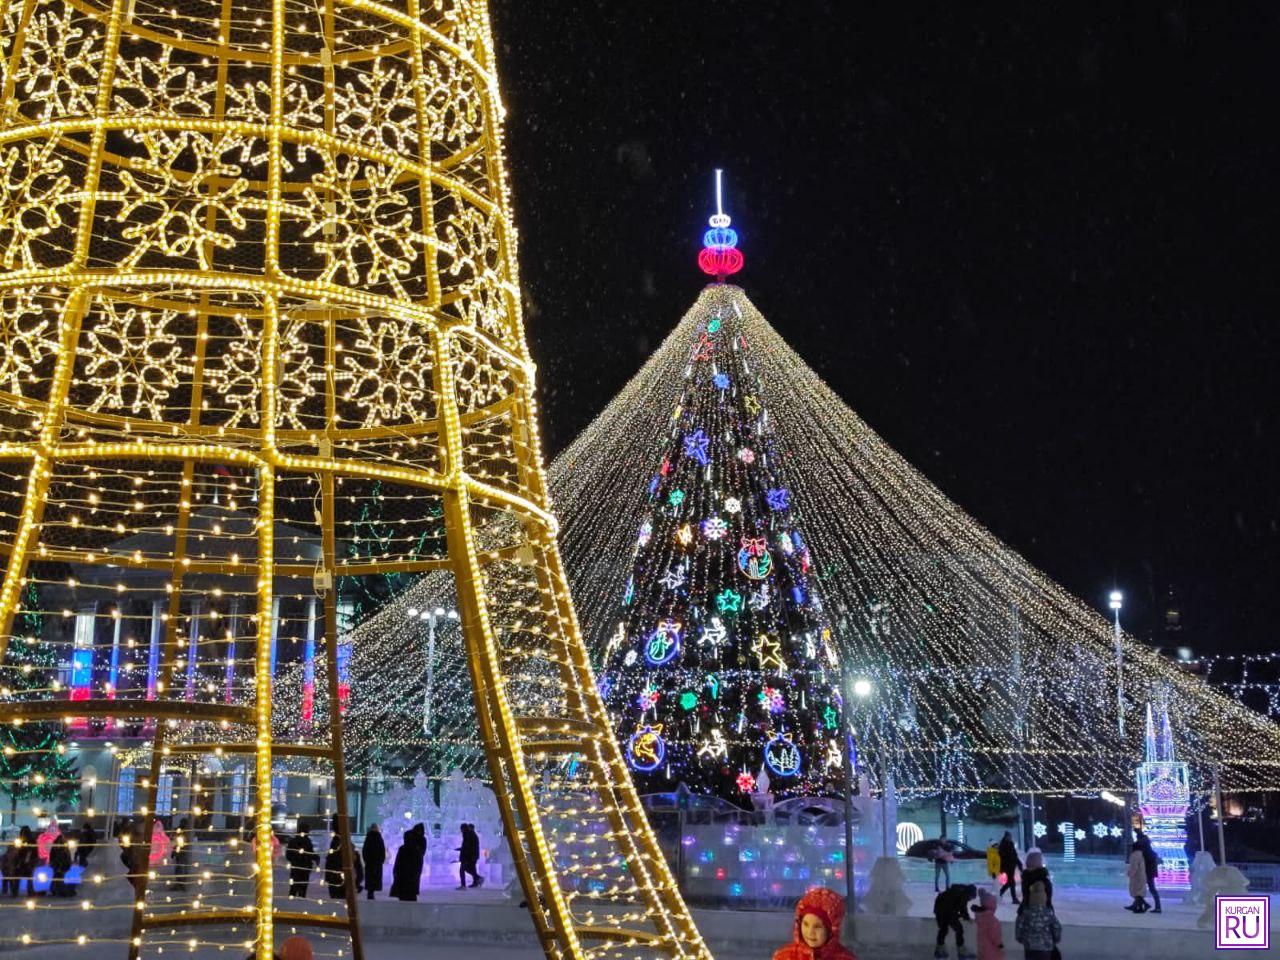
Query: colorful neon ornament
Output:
(754,559)
(663,644)
(646,749)
(720,256)
(695,445)
(782,756)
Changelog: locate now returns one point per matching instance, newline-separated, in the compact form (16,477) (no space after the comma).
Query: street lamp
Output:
(431,617)
(862,688)
(1117,601)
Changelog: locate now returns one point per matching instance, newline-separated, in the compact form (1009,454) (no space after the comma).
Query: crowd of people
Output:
(28,852)
(1036,926)
(53,849)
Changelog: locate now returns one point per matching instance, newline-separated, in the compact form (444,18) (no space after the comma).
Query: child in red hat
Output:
(816,936)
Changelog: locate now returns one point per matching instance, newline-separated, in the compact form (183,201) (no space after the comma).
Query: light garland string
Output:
(988,677)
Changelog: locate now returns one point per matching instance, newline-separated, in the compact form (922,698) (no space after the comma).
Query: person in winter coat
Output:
(9,868)
(987,928)
(1009,866)
(182,839)
(993,861)
(816,932)
(1036,872)
(60,862)
(88,842)
(406,873)
(1151,861)
(1137,872)
(949,908)
(300,854)
(468,857)
(1037,927)
(374,855)
(943,857)
(333,871)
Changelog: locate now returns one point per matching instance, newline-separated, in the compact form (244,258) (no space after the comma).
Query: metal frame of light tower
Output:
(306,219)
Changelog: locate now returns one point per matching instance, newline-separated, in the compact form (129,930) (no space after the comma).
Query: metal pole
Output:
(431,671)
(1119,673)
(1222,837)
(848,805)
(1200,822)
(884,811)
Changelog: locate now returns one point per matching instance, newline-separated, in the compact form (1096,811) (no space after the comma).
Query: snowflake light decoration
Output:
(733,505)
(747,455)
(771,699)
(714,528)
(746,782)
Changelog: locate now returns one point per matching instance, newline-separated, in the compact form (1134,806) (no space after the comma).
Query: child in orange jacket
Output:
(816,935)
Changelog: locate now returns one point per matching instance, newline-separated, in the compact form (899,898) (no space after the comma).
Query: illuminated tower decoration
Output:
(1164,795)
(722,662)
(720,256)
(267,252)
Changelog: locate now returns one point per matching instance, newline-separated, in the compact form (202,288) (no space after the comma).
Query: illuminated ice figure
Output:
(1163,797)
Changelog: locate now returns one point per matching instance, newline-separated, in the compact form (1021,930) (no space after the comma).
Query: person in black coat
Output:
(26,859)
(1152,862)
(406,874)
(333,868)
(60,863)
(468,857)
(87,843)
(302,858)
(375,855)
(949,908)
(1009,866)
(1036,872)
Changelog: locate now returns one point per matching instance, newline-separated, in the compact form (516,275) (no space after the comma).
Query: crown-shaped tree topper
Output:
(720,256)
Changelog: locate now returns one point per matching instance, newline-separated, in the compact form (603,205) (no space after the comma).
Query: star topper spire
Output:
(720,256)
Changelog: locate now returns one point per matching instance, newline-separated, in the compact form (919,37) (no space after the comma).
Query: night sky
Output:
(1033,247)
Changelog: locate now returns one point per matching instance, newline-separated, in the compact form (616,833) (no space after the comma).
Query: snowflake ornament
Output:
(747,455)
(733,505)
(134,358)
(714,528)
(746,782)
(772,700)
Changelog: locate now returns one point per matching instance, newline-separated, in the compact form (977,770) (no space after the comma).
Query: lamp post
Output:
(431,616)
(1116,602)
(861,689)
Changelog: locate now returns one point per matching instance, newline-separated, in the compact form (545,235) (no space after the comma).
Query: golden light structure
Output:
(257,267)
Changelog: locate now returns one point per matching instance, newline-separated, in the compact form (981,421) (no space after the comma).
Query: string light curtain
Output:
(257,277)
(985,675)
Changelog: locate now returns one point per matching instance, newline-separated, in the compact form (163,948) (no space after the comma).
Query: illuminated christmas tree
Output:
(722,662)
(33,762)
